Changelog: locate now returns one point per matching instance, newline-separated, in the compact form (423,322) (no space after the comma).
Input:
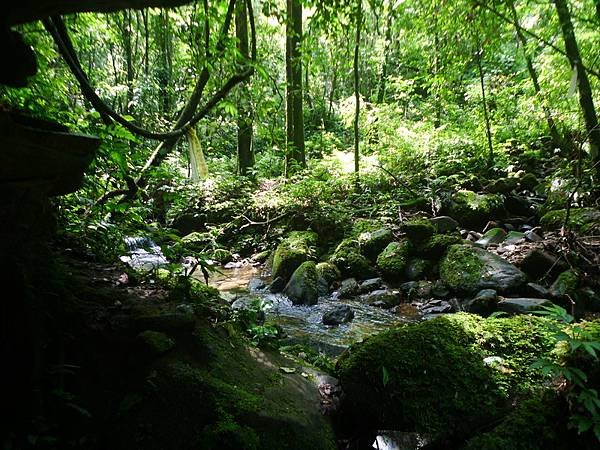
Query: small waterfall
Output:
(143,253)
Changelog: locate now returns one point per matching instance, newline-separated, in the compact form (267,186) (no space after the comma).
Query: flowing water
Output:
(303,324)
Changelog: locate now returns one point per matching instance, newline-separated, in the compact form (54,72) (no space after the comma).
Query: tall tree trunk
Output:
(127,48)
(357,93)
(556,139)
(244,122)
(586,100)
(295,153)
(164,75)
(437,121)
(486,116)
(146,42)
(386,54)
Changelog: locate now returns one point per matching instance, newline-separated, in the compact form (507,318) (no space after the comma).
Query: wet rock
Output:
(444,224)
(348,288)
(436,307)
(277,285)
(296,248)
(372,243)
(536,290)
(537,263)
(256,284)
(370,285)
(467,269)
(522,305)
(385,298)
(493,236)
(392,261)
(514,237)
(302,287)
(417,289)
(338,315)
(532,236)
(484,303)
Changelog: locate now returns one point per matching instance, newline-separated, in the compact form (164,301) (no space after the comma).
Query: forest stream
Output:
(302,323)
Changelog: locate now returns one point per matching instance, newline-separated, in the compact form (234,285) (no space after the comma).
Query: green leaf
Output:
(385,375)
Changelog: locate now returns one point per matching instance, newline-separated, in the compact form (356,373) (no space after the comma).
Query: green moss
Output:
(566,283)
(435,380)
(436,246)
(584,220)
(222,255)
(328,272)
(393,259)
(418,230)
(423,377)
(156,342)
(373,242)
(535,424)
(473,209)
(350,261)
(361,226)
(302,287)
(461,269)
(297,247)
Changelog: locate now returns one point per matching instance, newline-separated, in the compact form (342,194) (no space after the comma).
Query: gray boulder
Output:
(338,315)
(444,224)
(385,298)
(522,305)
(370,285)
(484,303)
(348,288)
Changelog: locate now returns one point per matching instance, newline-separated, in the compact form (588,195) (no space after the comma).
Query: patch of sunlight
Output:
(345,161)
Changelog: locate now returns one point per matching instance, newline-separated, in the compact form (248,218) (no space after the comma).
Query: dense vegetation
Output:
(326,134)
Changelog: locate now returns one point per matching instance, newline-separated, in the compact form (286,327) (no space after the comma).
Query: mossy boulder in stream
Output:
(393,259)
(297,247)
(348,258)
(446,377)
(467,269)
(302,289)
(418,230)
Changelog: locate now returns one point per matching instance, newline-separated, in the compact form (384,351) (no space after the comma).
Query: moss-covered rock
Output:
(583,220)
(431,377)
(492,236)
(467,269)
(327,274)
(297,247)
(535,424)
(302,288)
(436,246)
(474,210)
(348,259)
(156,343)
(501,186)
(565,284)
(393,259)
(416,268)
(418,230)
(222,255)
(373,242)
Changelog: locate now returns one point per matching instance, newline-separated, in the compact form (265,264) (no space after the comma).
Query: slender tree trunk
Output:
(586,100)
(556,139)
(127,48)
(486,116)
(164,75)
(598,10)
(357,93)
(146,42)
(436,68)
(244,121)
(386,55)
(295,153)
